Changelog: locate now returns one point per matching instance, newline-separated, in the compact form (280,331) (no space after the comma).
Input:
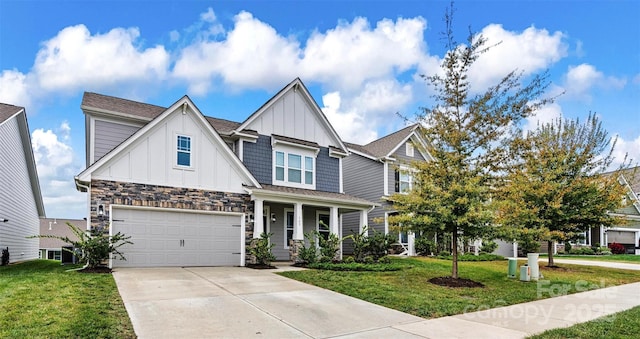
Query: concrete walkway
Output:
(233,302)
(610,264)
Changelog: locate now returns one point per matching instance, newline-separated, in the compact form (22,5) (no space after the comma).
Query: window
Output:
(289,228)
(409,149)
(406,179)
(323,225)
(184,151)
(54,255)
(294,169)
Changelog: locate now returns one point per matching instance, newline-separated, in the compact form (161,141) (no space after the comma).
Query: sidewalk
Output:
(523,320)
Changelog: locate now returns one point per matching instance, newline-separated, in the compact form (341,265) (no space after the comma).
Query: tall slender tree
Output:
(555,189)
(467,130)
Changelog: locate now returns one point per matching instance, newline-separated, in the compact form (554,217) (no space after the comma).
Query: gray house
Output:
(376,171)
(21,203)
(52,248)
(194,190)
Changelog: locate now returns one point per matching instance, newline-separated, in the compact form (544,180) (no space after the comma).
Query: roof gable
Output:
(386,146)
(184,107)
(293,113)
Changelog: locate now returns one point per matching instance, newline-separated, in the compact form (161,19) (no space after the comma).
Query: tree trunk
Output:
(454,252)
(550,253)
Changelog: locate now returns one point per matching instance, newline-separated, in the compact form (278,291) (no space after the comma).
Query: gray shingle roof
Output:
(223,126)
(113,104)
(7,111)
(632,175)
(382,147)
(313,193)
(295,141)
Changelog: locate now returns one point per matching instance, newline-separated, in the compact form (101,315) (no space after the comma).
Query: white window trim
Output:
(284,223)
(303,153)
(409,149)
(318,214)
(174,147)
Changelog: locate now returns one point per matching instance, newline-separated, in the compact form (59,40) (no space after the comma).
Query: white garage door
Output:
(171,238)
(621,237)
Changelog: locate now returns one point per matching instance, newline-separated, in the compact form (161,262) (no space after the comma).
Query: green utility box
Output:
(512,271)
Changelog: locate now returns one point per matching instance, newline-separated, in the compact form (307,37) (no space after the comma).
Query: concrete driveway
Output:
(237,302)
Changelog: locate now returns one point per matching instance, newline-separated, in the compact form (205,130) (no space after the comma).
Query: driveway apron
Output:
(236,302)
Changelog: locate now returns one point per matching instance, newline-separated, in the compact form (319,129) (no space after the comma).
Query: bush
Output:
(308,255)
(488,246)
(444,254)
(328,247)
(617,248)
(472,257)
(604,251)
(582,251)
(93,247)
(4,260)
(567,247)
(261,249)
(425,246)
(379,244)
(360,244)
(371,267)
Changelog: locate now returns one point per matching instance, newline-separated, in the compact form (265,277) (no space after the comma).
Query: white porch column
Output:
(602,241)
(515,249)
(258,224)
(364,216)
(411,239)
(334,223)
(298,232)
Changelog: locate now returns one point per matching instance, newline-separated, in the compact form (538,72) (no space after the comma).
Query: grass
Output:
(628,258)
(624,324)
(409,290)
(41,299)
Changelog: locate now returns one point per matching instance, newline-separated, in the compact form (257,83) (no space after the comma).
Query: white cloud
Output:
(56,168)
(580,79)
(529,51)
(14,89)
(76,60)
(544,115)
(629,148)
(350,125)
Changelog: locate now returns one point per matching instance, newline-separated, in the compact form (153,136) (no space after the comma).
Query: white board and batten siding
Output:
(17,202)
(151,158)
(292,116)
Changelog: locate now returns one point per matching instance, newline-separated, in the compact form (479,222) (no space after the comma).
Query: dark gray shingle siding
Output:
(257,158)
(327,172)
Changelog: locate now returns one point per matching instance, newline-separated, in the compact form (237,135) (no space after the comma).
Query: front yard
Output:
(626,258)
(408,290)
(40,299)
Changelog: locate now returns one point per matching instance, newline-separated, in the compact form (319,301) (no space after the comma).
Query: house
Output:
(627,234)
(21,203)
(52,248)
(379,169)
(194,190)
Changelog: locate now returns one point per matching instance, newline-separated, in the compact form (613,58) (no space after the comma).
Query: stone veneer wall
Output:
(105,193)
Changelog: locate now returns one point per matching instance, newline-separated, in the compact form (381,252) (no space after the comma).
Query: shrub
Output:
(348,260)
(261,249)
(488,246)
(328,247)
(92,247)
(4,260)
(567,247)
(582,251)
(444,254)
(472,257)
(617,248)
(371,267)
(360,244)
(379,244)
(308,254)
(425,246)
(604,251)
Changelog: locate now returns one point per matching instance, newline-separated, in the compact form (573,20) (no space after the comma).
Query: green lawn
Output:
(40,299)
(624,324)
(408,290)
(627,258)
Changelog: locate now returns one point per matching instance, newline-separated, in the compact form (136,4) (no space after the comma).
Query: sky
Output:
(361,60)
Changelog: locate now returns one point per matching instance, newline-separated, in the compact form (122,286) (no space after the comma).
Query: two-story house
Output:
(376,171)
(21,203)
(193,190)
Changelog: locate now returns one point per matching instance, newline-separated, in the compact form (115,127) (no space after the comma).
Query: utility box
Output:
(532,260)
(512,269)
(525,273)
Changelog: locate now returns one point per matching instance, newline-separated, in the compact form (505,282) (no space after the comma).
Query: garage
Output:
(178,238)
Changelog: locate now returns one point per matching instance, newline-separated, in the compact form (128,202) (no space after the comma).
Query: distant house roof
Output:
(7,112)
(632,175)
(58,227)
(387,145)
(109,104)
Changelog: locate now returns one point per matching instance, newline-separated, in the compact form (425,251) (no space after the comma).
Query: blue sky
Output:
(361,60)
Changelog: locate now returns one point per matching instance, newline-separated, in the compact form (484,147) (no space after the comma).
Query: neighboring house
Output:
(629,233)
(376,171)
(21,203)
(193,190)
(52,248)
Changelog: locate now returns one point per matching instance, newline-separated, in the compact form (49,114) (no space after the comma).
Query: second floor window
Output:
(294,169)
(184,151)
(404,180)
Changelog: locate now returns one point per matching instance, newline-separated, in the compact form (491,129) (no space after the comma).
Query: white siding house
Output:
(21,203)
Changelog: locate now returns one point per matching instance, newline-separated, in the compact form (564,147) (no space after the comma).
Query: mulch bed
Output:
(453,282)
(99,269)
(261,266)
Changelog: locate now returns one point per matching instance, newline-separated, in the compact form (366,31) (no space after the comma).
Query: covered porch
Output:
(290,213)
